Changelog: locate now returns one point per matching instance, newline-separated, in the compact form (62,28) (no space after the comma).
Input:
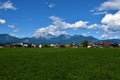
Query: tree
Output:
(85,43)
(46,46)
(62,46)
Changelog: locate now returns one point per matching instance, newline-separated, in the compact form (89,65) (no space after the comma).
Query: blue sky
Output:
(39,18)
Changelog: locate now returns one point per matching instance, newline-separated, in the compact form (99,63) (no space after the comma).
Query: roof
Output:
(107,43)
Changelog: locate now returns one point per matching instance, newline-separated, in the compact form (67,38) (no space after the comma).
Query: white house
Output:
(40,46)
(89,46)
(33,45)
(52,45)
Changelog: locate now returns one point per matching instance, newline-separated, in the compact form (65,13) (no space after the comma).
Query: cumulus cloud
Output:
(64,25)
(49,32)
(93,26)
(112,21)
(7,5)
(2,21)
(110,24)
(106,6)
(59,27)
(54,18)
(110,5)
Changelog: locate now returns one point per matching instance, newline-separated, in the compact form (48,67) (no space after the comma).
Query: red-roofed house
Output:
(107,44)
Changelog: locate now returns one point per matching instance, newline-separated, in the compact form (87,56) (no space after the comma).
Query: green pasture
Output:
(59,64)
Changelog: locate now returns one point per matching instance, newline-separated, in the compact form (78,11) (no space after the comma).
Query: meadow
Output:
(59,64)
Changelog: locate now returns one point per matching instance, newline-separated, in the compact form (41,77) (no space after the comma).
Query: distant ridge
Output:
(62,39)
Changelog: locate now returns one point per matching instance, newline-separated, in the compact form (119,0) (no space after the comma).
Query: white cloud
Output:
(104,36)
(7,5)
(14,28)
(104,28)
(110,35)
(2,21)
(11,26)
(106,6)
(54,18)
(112,21)
(110,5)
(93,26)
(59,27)
(64,25)
(48,32)
(98,12)
(18,36)
(79,24)
(51,5)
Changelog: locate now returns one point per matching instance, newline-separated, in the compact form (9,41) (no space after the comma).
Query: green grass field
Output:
(59,64)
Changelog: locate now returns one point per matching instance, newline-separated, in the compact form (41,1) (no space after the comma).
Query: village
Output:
(88,45)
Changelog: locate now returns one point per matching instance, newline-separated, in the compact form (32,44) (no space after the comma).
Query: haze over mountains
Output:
(62,39)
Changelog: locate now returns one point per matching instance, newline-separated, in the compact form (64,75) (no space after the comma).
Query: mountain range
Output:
(62,39)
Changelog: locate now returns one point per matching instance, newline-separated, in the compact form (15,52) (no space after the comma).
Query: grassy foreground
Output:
(59,64)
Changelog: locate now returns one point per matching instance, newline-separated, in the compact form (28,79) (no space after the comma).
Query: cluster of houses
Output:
(20,45)
(90,45)
(104,45)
